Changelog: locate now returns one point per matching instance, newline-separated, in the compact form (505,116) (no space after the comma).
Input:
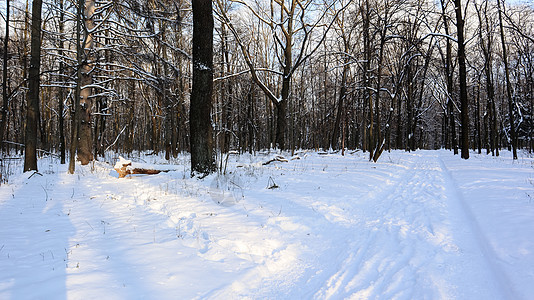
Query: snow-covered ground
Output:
(420,225)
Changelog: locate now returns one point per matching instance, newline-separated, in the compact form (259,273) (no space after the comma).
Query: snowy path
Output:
(423,225)
(413,243)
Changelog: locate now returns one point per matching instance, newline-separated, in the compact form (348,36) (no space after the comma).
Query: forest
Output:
(267,149)
(373,75)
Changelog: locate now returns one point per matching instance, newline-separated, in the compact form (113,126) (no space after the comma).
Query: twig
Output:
(34,174)
(46,193)
(117,138)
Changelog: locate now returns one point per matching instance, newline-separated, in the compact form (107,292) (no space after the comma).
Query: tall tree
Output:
(32,111)
(61,94)
(201,138)
(75,119)
(5,97)
(291,25)
(486,46)
(85,146)
(460,22)
(511,104)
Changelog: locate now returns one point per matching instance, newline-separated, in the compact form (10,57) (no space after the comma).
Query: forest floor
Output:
(419,225)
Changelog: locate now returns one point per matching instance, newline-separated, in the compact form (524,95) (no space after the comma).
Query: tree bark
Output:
(367,80)
(451,141)
(5,97)
(32,112)
(85,147)
(75,120)
(334,144)
(463,80)
(61,94)
(201,139)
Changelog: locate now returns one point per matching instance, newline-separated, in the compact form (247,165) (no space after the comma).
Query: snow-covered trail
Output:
(413,240)
(396,230)
(421,225)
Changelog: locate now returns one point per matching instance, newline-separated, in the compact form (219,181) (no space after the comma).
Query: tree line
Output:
(82,77)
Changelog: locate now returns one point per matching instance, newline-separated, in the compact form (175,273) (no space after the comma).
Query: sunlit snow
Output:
(419,225)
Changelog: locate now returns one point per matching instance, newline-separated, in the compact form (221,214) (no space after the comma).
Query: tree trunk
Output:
(410,111)
(32,112)
(201,139)
(451,142)
(398,139)
(490,89)
(61,93)
(463,80)
(227,91)
(5,97)
(281,115)
(75,120)
(508,84)
(334,144)
(477,120)
(85,147)
(367,80)
(379,141)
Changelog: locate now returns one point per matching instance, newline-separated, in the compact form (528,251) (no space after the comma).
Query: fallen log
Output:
(276,158)
(125,167)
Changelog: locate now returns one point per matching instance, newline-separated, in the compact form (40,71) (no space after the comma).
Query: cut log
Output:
(276,158)
(125,167)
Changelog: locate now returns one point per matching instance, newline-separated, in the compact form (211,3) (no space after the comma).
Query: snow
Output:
(419,225)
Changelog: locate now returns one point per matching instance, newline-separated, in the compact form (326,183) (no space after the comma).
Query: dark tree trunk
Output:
(369,136)
(340,106)
(378,140)
(490,89)
(75,120)
(250,120)
(201,139)
(5,97)
(463,80)
(61,94)
(508,85)
(281,124)
(32,112)
(227,91)
(477,120)
(398,139)
(451,142)
(281,106)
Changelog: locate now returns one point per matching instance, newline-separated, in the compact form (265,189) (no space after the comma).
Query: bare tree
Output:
(460,22)
(75,119)
(292,32)
(511,104)
(85,146)
(61,94)
(486,45)
(202,159)
(5,97)
(344,30)
(32,111)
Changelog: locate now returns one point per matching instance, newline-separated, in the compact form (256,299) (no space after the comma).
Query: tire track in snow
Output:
(411,244)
